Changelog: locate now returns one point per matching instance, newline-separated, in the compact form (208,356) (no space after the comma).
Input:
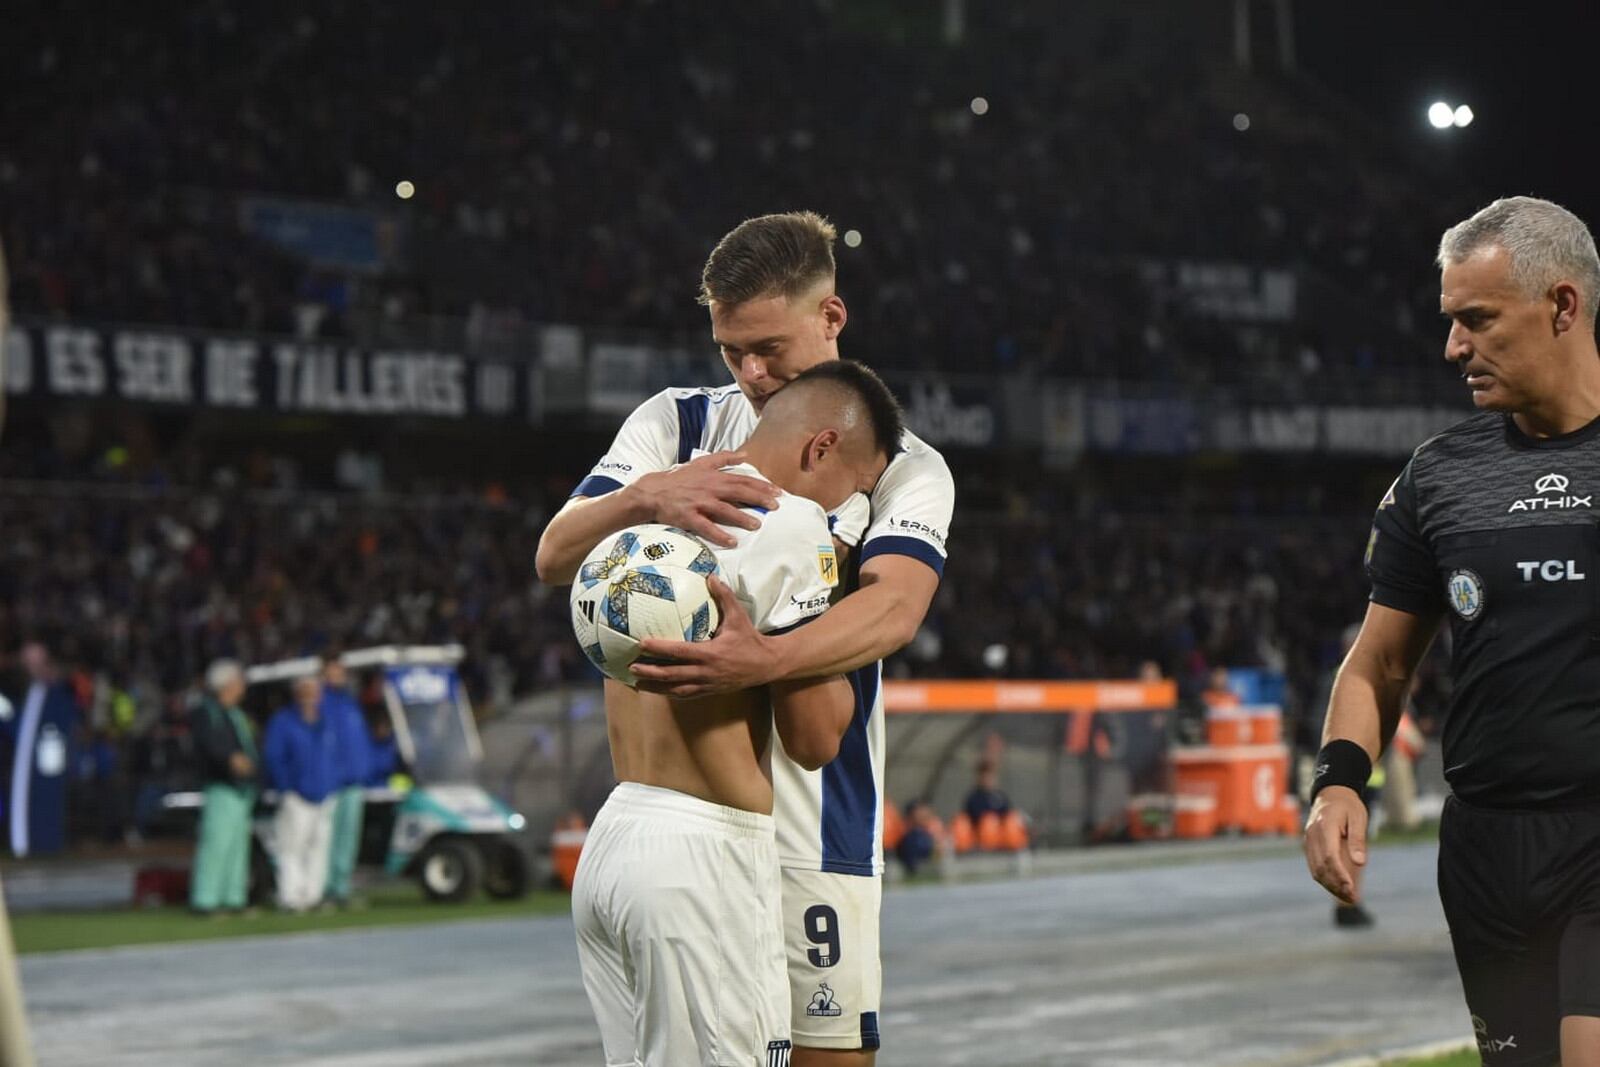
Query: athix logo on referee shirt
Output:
(1553,495)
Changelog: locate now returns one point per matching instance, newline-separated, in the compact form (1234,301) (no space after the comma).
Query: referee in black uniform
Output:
(1495,526)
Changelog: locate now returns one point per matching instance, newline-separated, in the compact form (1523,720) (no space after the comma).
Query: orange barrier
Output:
(1248,782)
(1014,832)
(1194,815)
(963,837)
(1259,724)
(990,837)
(968,697)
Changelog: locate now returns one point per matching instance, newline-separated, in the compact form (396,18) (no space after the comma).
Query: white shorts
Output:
(830,933)
(676,904)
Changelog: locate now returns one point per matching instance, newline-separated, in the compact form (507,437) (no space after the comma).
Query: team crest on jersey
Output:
(828,564)
(778,1053)
(822,1002)
(1466,594)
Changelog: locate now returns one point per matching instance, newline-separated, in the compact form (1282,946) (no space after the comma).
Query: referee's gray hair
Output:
(1546,242)
(221,672)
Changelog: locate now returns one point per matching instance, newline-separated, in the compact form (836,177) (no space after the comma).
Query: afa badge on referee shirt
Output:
(1466,594)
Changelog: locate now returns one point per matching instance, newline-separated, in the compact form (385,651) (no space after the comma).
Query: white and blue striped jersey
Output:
(830,819)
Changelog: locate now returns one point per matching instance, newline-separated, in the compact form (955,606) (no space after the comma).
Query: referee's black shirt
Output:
(1500,531)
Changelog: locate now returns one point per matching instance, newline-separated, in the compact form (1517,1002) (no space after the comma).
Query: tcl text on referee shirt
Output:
(1499,531)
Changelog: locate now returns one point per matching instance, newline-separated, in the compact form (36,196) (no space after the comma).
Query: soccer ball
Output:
(647,581)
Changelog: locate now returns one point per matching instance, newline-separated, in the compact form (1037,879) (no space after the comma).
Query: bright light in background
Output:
(1241,122)
(979,106)
(405,190)
(852,238)
(1441,116)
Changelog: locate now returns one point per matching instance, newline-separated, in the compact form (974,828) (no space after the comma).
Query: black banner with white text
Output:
(181,367)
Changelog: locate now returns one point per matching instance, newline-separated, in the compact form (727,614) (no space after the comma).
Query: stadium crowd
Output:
(138,589)
(543,194)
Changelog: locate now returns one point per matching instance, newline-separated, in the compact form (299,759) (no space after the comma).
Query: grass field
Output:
(389,906)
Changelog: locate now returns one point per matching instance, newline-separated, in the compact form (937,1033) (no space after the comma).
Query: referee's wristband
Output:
(1343,763)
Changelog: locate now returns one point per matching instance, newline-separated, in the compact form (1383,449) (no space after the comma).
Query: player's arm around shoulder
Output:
(638,480)
(902,558)
(810,714)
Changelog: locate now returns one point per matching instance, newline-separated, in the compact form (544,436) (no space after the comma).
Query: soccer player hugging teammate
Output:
(1493,526)
(677,894)
(769,288)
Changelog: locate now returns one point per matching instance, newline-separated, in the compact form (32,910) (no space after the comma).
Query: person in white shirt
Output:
(769,286)
(677,895)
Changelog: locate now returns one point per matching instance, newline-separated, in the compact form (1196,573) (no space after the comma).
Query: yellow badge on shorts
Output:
(828,564)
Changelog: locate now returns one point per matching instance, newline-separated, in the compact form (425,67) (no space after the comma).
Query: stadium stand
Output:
(1006,215)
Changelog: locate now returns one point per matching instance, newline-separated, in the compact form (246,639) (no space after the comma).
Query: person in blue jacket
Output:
(345,718)
(301,751)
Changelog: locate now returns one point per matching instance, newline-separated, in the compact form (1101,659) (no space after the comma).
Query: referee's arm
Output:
(1364,709)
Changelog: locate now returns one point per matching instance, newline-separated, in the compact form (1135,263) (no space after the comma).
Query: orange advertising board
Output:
(968,697)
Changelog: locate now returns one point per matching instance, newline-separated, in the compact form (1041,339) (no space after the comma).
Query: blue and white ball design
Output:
(647,581)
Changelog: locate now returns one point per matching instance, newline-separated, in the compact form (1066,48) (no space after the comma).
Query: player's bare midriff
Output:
(706,748)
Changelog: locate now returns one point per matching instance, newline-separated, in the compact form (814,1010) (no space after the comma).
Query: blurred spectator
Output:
(986,797)
(385,761)
(301,752)
(97,798)
(225,743)
(354,752)
(39,733)
(923,839)
(160,758)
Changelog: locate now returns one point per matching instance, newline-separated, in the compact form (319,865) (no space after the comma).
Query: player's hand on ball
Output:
(700,494)
(1336,842)
(737,657)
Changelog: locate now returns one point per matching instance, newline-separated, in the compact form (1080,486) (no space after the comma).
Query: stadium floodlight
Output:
(852,238)
(1441,115)
(1463,116)
(405,190)
(979,105)
(1241,122)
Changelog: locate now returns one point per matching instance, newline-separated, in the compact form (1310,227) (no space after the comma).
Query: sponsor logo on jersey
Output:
(1551,570)
(1466,594)
(822,1002)
(613,465)
(812,606)
(1553,496)
(1388,498)
(828,564)
(913,526)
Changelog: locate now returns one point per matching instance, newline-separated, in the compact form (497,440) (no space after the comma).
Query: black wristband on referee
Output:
(1343,763)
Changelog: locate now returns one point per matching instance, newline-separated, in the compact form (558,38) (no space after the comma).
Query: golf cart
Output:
(440,826)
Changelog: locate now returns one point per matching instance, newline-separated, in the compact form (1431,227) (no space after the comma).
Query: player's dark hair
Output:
(771,255)
(879,403)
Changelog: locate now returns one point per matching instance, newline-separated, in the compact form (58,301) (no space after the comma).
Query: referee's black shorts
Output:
(1521,891)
